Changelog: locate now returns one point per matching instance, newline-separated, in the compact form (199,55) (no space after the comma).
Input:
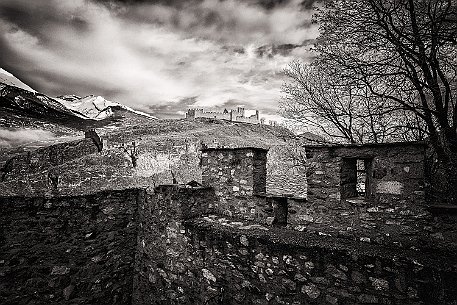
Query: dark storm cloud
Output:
(231,21)
(36,18)
(267,4)
(153,55)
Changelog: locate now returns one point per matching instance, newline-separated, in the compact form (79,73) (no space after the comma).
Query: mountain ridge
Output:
(9,79)
(17,97)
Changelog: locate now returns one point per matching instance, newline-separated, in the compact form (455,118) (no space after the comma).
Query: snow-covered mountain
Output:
(96,107)
(9,79)
(19,98)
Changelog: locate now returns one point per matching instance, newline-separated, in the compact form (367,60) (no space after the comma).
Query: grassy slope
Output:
(160,147)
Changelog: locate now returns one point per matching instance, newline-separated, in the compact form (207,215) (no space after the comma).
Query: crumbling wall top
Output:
(234,149)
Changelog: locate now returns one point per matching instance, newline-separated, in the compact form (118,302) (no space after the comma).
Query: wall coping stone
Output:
(234,149)
(64,196)
(284,238)
(367,145)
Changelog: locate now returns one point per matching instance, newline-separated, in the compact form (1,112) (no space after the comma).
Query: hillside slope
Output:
(29,119)
(151,154)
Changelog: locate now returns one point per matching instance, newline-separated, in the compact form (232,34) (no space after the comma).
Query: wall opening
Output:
(260,171)
(280,210)
(356,176)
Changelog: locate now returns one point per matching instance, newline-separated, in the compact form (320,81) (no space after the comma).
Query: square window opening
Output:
(356,178)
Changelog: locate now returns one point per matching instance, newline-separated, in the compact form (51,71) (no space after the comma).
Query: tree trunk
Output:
(444,178)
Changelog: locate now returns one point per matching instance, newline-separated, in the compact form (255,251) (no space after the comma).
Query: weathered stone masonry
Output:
(157,247)
(186,259)
(395,170)
(237,115)
(174,244)
(395,188)
(162,241)
(238,176)
(44,158)
(68,250)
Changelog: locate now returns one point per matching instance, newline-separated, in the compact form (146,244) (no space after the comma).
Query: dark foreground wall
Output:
(212,260)
(215,264)
(233,266)
(161,247)
(68,250)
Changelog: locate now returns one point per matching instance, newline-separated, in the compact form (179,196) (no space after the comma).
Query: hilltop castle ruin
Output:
(237,115)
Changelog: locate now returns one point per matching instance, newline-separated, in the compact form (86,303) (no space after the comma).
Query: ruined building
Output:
(237,115)
(363,236)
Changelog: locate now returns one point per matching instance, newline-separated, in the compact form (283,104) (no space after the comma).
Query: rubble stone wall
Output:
(186,259)
(161,218)
(162,246)
(68,250)
(396,190)
(286,171)
(236,175)
(155,164)
(396,173)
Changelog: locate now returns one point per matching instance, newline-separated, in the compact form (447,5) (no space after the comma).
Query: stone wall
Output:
(211,260)
(199,113)
(237,175)
(161,219)
(163,246)
(237,115)
(68,250)
(396,171)
(286,171)
(155,161)
(44,158)
(395,190)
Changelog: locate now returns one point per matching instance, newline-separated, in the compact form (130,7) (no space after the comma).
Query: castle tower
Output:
(190,114)
(240,111)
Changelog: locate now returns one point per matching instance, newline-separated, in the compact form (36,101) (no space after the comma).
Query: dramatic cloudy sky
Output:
(158,56)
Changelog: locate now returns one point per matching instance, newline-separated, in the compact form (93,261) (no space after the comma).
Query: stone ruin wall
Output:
(253,119)
(381,222)
(78,167)
(208,115)
(284,179)
(286,171)
(237,175)
(397,171)
(237,115)
(68,250)
(44,158)
(183,256)
(183,157)
(398,189)
(246,178)
(185,259)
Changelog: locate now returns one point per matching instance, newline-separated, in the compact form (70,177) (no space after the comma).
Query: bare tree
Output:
(403,53)
(342,111)
(132,152)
